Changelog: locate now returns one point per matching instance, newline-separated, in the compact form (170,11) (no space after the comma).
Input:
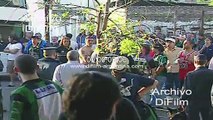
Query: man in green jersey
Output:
(35,99)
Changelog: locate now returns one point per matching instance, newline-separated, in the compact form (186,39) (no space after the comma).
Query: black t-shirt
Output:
(62,52)
(130,84)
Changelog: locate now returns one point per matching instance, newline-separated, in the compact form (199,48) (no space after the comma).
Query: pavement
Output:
(6,91)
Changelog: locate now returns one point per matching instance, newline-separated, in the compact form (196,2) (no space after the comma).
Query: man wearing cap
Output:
(132,86)
(172,53)
(34,46)
(208,48)
(199,82)
(48,64)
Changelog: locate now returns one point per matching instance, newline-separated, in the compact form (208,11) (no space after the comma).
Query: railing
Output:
(3,58)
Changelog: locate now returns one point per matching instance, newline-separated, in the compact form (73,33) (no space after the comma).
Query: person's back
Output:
(34,100)
(201,81)
(48,64)
(47,67)
(66,71)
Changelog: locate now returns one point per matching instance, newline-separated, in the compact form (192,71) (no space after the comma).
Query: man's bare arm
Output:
(145,90)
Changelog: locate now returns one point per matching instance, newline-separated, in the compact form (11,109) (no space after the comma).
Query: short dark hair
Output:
(14,37)
(147,48)
(69,35)
(200,59)
(26,64)
(158,47)
(127,106)
(73,55)
(38,34)
(90,96)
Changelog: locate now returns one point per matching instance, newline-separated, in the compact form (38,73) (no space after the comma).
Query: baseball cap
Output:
(35,37)
(119,63)
(170,39)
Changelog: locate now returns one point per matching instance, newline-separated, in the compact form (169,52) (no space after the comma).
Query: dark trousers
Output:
(193,113)
(181,83)
(172,81)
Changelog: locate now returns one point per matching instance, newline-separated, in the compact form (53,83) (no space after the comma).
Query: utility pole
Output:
(202,22)
(175,21)
(47,20)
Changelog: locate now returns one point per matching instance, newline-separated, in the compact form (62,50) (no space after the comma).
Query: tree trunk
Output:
(106,15)
(47,20)
(98,24)
(202,22)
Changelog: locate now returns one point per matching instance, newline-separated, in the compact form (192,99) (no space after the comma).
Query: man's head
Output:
(119,65)
(146,48)
(35,40)
(209,41)
(73,55)
(200,36)
(157,29)
(158,48)
(69,35)
(38,35)
(89,41)
(200,60)
(25,64)
(170,43)
(13,38)
(50,52)
(188,44)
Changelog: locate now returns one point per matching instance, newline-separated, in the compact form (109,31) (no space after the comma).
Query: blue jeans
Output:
(172,81)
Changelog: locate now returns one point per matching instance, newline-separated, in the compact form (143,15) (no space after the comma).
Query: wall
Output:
(187,16)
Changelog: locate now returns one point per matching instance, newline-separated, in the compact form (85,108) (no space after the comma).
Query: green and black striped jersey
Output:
(36,100)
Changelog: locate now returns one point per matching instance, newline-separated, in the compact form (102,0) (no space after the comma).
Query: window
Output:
(13,3)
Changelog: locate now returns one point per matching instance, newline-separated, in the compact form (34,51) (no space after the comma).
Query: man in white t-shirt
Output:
(14,48)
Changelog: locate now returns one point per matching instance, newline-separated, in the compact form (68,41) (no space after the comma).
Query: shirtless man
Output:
(86,51)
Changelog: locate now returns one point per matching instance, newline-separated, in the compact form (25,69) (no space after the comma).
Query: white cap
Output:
(119,63)
(170,39)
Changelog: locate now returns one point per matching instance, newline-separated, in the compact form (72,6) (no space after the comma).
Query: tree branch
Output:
(106,15)
(97,2)
(84,7)
(123,6)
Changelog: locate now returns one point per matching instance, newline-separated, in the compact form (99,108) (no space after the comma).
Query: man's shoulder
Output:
(22,90)
(201,71)
(132,75)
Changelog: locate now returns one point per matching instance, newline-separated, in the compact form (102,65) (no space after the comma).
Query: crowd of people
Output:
(64,82)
